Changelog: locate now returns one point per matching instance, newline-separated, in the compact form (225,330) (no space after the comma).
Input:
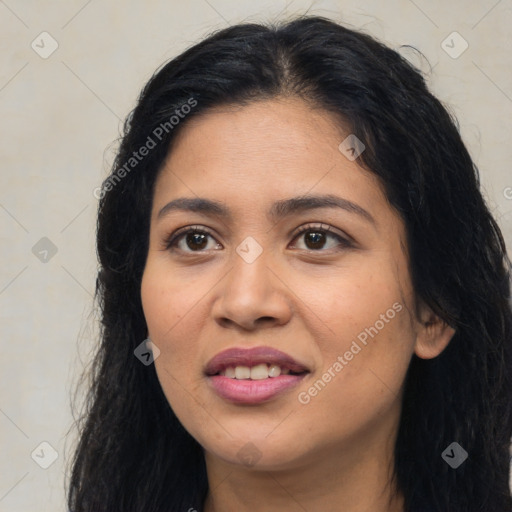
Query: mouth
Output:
(260,371)
(251,376)
(254,363)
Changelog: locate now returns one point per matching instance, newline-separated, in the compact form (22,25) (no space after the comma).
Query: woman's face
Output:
(339,303)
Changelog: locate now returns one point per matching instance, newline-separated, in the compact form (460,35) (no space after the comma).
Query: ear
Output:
(433,334)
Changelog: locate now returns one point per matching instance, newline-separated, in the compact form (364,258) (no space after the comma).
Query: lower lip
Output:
(253,391)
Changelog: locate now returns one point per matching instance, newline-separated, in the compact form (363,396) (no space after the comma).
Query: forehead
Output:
(271,127)
(263,149)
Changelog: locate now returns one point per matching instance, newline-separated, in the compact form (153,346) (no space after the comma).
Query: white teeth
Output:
(242,372)
(230,372)
(275,371)
(259,372)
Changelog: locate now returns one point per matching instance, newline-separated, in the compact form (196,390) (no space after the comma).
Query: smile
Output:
(249,391)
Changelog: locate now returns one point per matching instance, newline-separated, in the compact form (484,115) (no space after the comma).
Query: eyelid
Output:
(343,242)
(326,228)
(343,239)
(173,237)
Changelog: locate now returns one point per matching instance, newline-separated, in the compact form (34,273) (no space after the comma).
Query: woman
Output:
(304,297)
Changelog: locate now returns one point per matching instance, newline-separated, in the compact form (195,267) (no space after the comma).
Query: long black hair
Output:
(132,453)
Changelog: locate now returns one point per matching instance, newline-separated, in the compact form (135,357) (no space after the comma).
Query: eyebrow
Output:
(278,210)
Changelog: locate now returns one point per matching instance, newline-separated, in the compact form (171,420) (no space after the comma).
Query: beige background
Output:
(60,116)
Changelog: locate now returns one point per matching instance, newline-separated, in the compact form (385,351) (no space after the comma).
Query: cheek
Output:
(370,341)
(354,299)
(360,382)
(168,305)
(166,299)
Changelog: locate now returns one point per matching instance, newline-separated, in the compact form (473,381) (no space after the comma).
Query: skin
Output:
(335,452)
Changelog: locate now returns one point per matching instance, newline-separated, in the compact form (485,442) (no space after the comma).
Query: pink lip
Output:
(251,357)
(252,391)
(248,391)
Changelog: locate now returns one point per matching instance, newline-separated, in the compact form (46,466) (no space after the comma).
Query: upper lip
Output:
(251,357)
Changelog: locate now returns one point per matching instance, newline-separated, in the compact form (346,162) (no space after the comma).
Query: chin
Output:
(258,452)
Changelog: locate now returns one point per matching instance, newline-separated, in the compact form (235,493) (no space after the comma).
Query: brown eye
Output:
(196,240)
(189,240)
(315,238)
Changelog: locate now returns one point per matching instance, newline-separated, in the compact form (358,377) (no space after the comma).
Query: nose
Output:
(252,295)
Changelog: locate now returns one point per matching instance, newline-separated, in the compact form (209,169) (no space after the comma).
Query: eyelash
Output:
(173,239)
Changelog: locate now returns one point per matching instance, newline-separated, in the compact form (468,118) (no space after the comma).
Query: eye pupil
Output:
(193,237)
(196,239)
(316,239)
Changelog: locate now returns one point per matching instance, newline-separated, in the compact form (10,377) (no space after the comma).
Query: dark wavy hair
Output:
(132,453)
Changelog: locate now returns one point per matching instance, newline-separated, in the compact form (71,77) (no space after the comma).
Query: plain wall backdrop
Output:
(70,72)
